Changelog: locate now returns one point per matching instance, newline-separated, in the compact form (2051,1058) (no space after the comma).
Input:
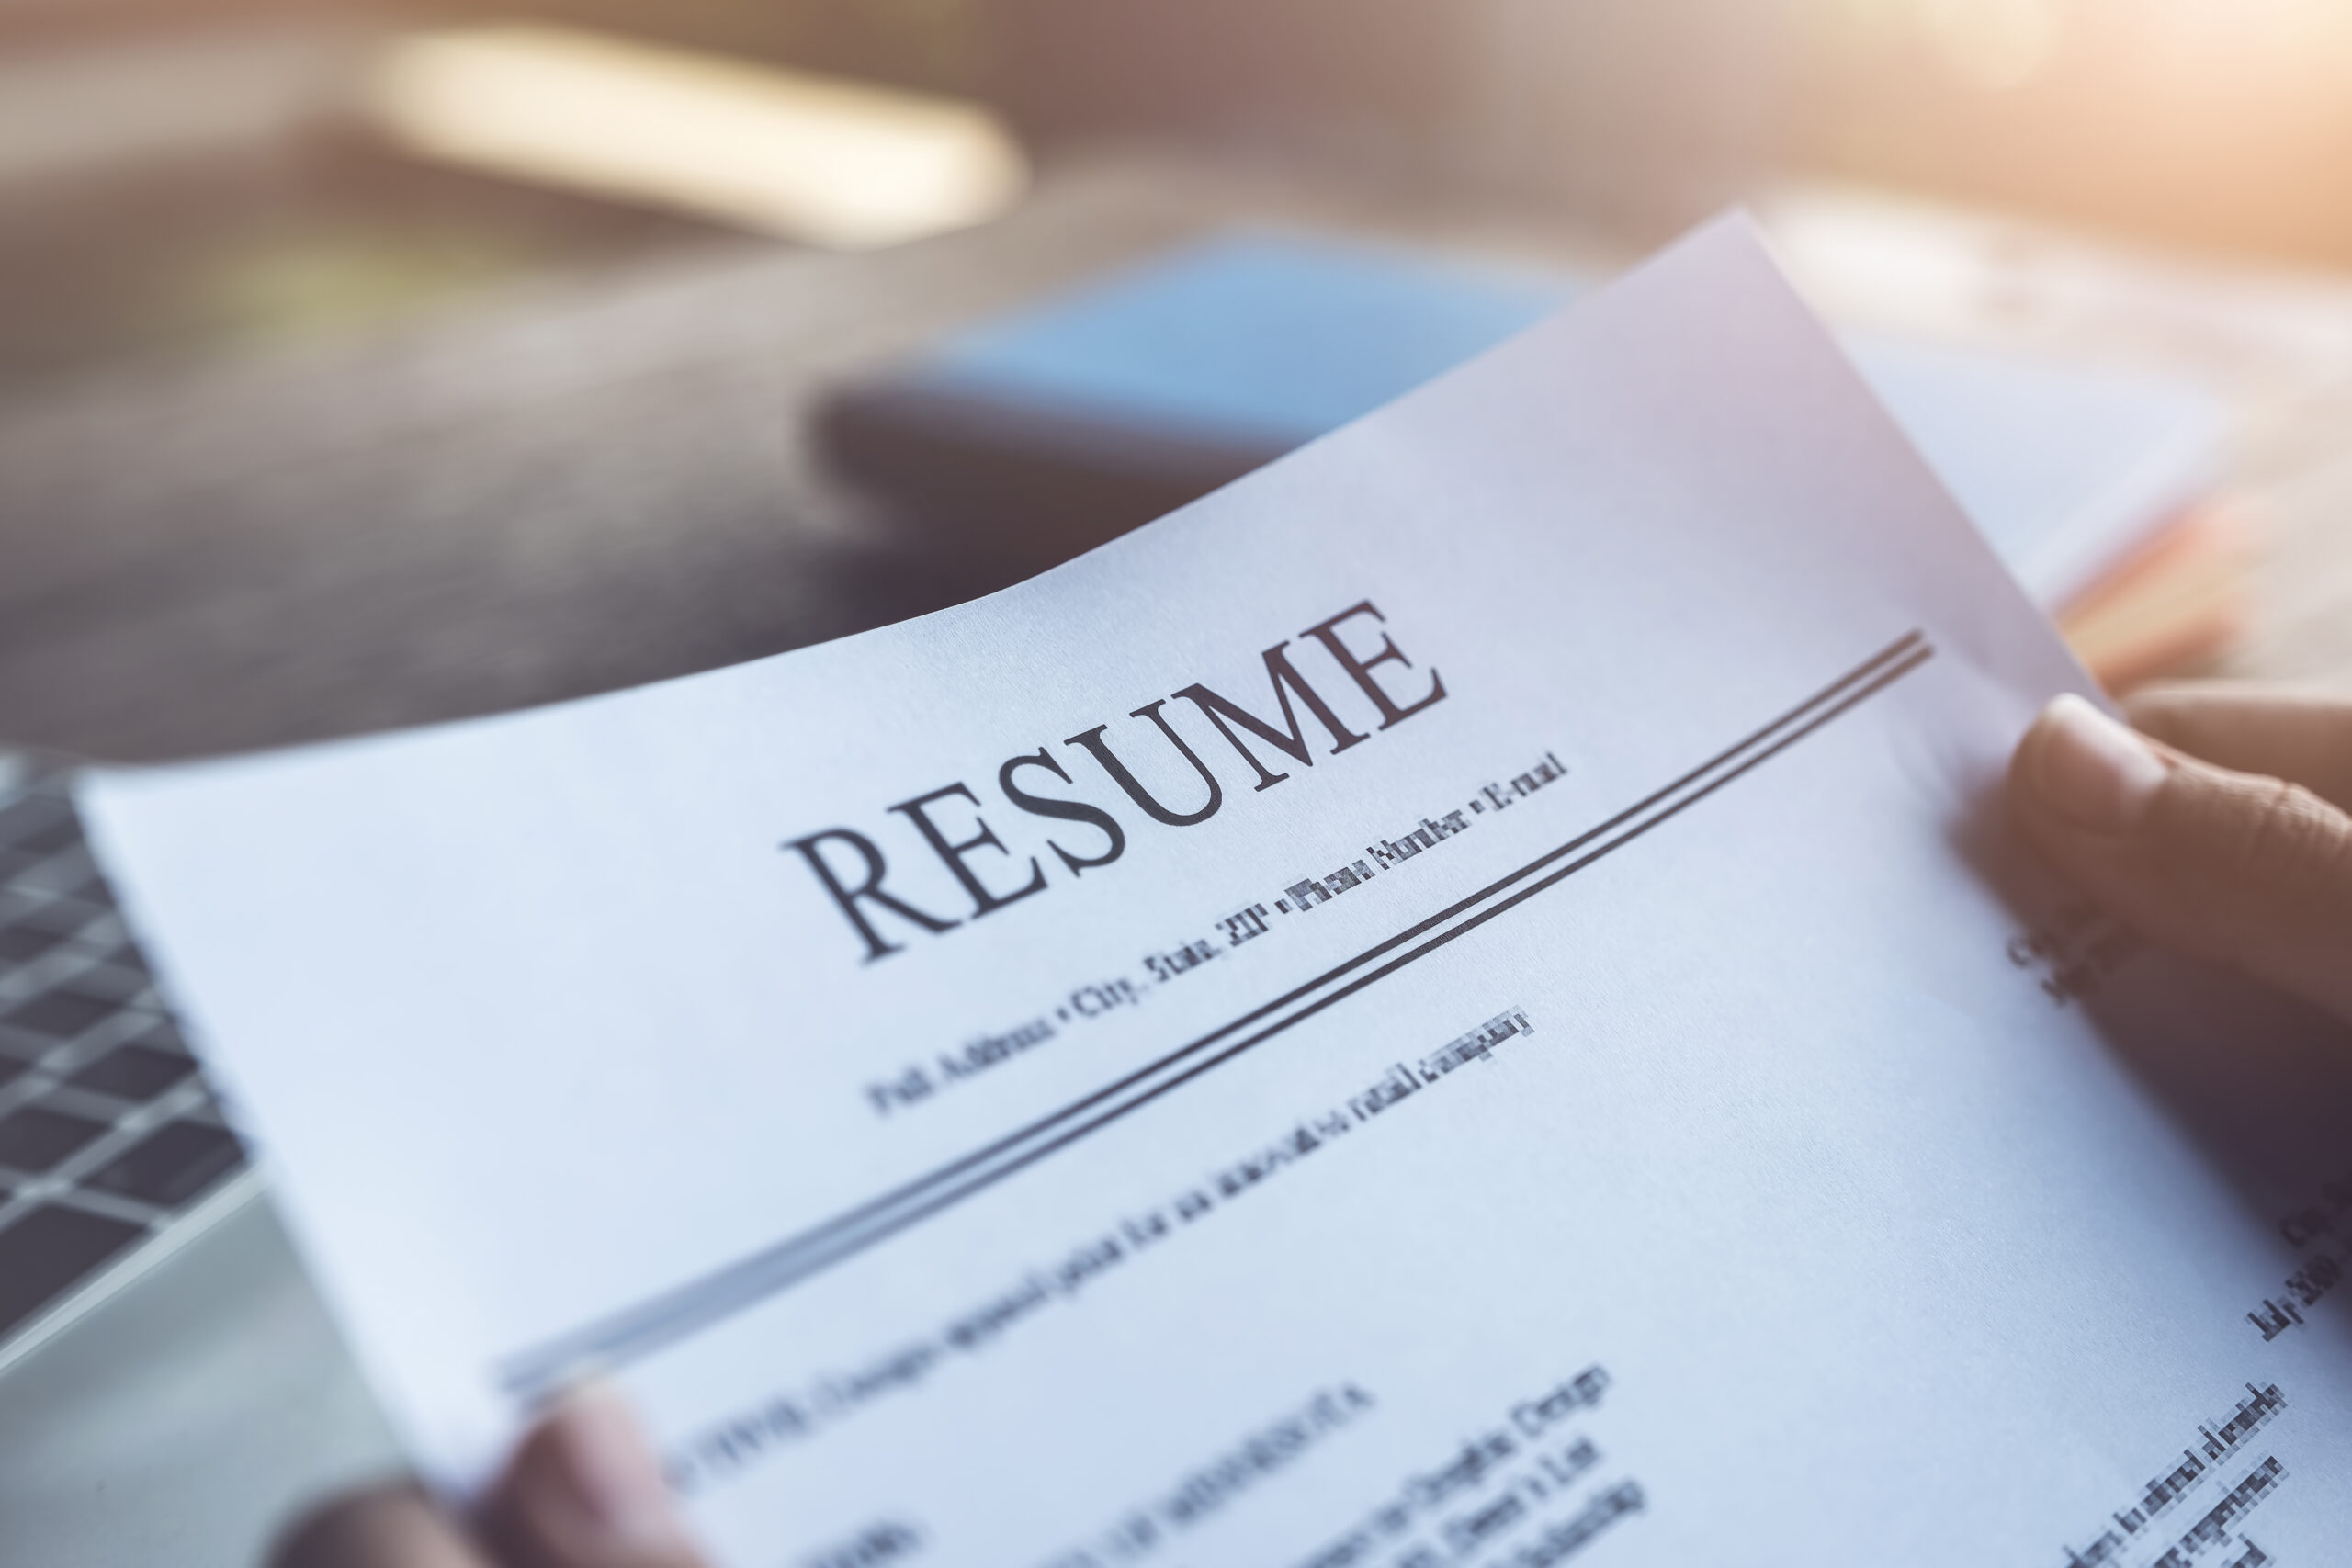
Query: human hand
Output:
(583,1491)
(2220,829)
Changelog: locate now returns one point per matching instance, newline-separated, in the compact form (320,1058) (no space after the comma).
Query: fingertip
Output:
(391,1527)
(2079,769)
(588,1489)
(2024,757)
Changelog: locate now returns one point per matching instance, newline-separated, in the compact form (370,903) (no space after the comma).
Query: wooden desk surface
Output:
(607,480)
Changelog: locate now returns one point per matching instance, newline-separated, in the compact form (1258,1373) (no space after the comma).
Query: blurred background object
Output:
(1094,411)
(203,199)
(2220,124)
(227,144)
(209,172)
(805,157)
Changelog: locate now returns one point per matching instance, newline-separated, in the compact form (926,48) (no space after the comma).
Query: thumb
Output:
(2246,870)
(585,1490)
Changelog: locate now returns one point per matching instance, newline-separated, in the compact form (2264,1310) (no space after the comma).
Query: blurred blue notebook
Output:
(1093,413)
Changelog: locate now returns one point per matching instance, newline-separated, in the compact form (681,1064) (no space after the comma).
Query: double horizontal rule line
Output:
(686,1309)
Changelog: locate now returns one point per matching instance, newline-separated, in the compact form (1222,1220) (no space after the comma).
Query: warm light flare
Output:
(1995,44)
(832,162)
(2000,45)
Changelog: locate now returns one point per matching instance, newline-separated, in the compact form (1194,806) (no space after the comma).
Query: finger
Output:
(396,1527)
(2305,738)
(585,1490)
(2236,867)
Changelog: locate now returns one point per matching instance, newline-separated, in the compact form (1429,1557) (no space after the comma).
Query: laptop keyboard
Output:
(108,1132)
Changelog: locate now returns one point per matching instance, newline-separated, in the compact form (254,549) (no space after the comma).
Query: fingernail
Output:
(613,1479)
(2092,771)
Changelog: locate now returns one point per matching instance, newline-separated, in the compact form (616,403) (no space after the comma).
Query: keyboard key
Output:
(50,1250)
(34,1138)
(49,840)
(63,1013)
(133,1072)
(59,917)
(75,877)
(23,943)
(11,1070)
(164,1036)
(38,826)
(173,1164)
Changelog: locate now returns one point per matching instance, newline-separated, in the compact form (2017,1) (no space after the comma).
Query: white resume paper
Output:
(1467,999)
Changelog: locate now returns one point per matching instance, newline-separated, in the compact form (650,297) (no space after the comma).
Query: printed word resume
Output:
(1466,999)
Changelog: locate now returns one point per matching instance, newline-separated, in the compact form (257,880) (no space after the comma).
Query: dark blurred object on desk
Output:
(1058,427)
(1053,428)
